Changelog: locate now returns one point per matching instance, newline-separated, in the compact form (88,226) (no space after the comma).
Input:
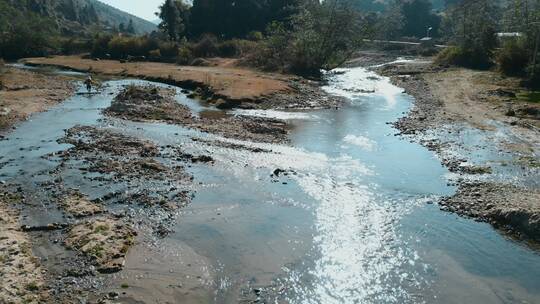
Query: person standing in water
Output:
(88,83)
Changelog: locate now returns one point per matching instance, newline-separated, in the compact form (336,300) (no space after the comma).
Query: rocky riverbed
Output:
(153,104)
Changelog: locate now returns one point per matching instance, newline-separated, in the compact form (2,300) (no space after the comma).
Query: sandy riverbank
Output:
(21,275)
(453,99)
(23,93)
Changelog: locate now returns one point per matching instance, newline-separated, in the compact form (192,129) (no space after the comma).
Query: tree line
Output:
(225,19)
(298,36)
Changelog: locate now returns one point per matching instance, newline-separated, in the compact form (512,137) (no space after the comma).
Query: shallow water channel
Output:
(351,220)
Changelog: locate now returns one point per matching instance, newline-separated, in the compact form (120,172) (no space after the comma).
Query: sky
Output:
(141,8)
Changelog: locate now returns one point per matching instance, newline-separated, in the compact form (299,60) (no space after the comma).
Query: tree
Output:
(131,28)
(390,25)
(471,25)
(320,36)
(475,24)
(174,15)
(26,36)
(237,18)
(418,17)
(89,15)
(524,16)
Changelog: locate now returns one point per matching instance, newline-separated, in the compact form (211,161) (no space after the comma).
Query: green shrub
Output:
(75,46)
(185,55)
(255,36)
(236,47)
(120,47)
(513,57)
(229,48)
(471,57)
(154,55)
(168,49)
(207,46)
(100,45)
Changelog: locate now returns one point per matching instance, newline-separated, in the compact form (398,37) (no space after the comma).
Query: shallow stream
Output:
(350,219)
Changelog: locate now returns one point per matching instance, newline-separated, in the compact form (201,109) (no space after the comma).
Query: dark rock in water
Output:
(226,104)
(48,227)
(113,295)
(502,93)
(202,159)
(510,112)
(278,171)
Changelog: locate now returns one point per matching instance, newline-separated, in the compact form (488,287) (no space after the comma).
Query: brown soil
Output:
(153,104)
(457,97)
(240,86)
(23,93)
(21,275)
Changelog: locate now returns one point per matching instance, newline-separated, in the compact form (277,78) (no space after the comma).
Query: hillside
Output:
(77,16)
(114,16)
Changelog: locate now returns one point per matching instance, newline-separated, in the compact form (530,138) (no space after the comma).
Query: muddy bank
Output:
(24,92)
(233,87)
(153,104)
(448,100)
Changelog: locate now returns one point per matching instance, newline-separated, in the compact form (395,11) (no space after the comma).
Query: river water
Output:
(351,219)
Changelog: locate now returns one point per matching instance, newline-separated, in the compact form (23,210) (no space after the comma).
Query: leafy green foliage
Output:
(466,57)
(513,57)
(320,36)
(471,26)
(185,56)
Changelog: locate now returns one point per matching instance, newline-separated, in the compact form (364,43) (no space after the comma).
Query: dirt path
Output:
(238,87)
(24,92)
(455,100)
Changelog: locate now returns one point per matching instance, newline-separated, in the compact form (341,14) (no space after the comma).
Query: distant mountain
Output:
(156,21)
(78,16)
(114,16)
